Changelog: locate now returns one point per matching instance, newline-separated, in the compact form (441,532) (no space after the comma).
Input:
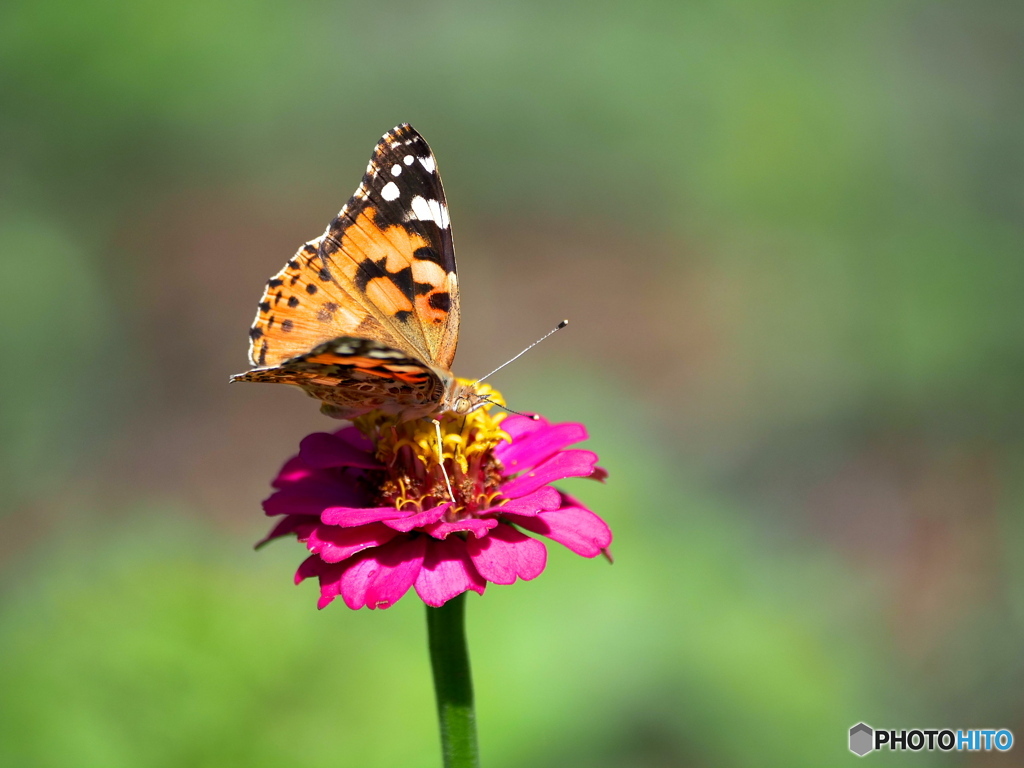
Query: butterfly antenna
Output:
(533,416)
(558,327)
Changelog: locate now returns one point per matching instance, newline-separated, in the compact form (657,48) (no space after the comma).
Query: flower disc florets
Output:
(371,504)
(413,478)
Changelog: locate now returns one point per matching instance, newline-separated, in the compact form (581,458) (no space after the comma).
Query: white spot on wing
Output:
(428,163)
(396,169)
(390,191)
(429,210)
(408,159)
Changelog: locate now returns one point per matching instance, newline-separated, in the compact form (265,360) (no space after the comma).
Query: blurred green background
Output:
(789,236)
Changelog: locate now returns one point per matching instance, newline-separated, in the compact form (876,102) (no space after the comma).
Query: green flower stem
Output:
(449,658)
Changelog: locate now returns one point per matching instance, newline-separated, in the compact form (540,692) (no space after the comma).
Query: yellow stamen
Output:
(467,442)
(462,435)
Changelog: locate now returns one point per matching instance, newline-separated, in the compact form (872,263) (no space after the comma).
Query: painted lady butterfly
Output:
(366,316)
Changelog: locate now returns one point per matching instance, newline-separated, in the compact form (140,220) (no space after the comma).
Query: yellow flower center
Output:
(412,478)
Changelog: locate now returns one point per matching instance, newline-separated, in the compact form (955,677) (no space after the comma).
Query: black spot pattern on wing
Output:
(391,196)
(441,301)
(373,270)
(428,254)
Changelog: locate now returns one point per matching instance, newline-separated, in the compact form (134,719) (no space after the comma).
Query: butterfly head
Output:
(462,398)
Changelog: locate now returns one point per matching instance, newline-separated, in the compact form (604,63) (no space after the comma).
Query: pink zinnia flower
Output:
(371,505)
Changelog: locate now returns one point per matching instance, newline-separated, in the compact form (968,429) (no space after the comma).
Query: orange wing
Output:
(384,269)
(352,376)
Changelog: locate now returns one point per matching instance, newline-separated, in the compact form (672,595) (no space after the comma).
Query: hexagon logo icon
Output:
(862,739)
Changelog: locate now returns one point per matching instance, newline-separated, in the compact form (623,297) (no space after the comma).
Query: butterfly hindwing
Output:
(355,375)
(384,270)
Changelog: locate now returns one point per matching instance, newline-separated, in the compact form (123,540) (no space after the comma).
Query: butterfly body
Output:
(366,316)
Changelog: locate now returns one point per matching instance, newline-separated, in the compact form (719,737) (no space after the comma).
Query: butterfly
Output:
(366,316)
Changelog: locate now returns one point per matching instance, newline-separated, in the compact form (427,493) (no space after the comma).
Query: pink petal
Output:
(571,463)
(312,496)
(294,470)
(335,544)
(543,499)
(328,591)
(425,517)
(330,581)
(356,439)
(379,577)
(321,450)
(506,554)
(478,526)
(530,450)
(301,524)
(352,516)
(309,568)
(576,527)
(330,578)
(447,571)
(520,426)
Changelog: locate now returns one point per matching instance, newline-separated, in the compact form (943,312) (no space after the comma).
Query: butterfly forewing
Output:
(393,241)
(384,269)
(302,306)
(383,272)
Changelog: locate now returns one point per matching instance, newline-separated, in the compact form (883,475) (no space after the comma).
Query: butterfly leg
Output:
(440,459)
